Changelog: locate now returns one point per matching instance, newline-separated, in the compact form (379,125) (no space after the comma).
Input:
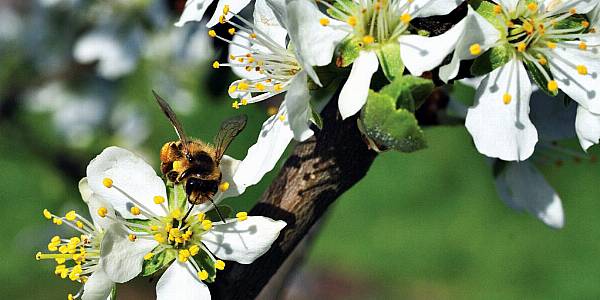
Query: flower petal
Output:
(239,48)
(587,125)
(581,6)
(243,241)
(508,5)
(98,286)
(194,11)
(356,89)
(476,30)
(181,282)
(121,258)
(297,102)
(426,8)
(273,139)
(235,6)
(133,179)
(314,42)
(94,203)
(266,22)
(503,130)
(522,187)
(585,89)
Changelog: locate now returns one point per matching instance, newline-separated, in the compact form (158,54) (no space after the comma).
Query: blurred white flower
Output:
(195,9)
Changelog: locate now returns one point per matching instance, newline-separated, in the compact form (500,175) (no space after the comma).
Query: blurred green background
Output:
(427,225)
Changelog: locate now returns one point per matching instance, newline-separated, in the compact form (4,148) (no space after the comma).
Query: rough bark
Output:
(314,176)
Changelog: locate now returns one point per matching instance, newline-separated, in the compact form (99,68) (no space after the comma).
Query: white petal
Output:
(121,258)
(266,22)
(181,282)
(581,6)
(229,167)
(273,139)
(476,30)
(587,125)
(243,241)
(314,43)
(522,187)
(508,5)
(500,130)
(94,203)
(98,286)
(356,89)
(235,6)
(297,102)
(194,11)
(237,49)
(115,57)
(426,8)
(132,178)
(585,89)
(279,9)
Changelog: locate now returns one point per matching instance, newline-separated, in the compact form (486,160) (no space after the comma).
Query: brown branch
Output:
(314,176)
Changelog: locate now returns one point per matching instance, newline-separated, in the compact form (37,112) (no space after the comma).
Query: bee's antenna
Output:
(188,212)
(217,209)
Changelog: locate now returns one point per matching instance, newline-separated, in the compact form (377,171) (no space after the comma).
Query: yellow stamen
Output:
(225,9)
(582,46)
(135,210)
(79,224)
(148,256)
(194,250)
(71,215)
(585,24)
(281,118)
(178,166)
(159,237)
(212,33)
(107,182)
(475,49)
(231,31)
(259,86)
(206,225)
(224,186)
(242,216)
(159,199)
(203,275)
(552,86)
(551,45)
(220,265)
(582,70)
(216,65)
(47,214)
(351,21)
(506,98)
(497,9)
(405,18)
(521,47)
(532,6)
(324,21)
(132,237)
(368,39)
(235,105)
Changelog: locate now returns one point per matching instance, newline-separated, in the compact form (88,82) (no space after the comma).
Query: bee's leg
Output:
(217,209)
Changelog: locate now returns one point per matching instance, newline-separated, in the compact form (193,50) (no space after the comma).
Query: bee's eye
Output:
(192,184)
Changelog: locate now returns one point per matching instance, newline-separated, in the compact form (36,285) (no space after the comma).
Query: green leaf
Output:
(179,201)
(390,61)
(410,91)
(206,263)
(486,10)
(316,118)
(490,60)
(214,216)
(388,127)
(343,6)
(157,262)
(347,52)
(141,222)
(539,78)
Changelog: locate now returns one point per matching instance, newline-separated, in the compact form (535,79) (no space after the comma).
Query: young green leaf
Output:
(390,61)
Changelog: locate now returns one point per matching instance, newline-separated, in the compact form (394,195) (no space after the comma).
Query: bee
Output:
(195,163)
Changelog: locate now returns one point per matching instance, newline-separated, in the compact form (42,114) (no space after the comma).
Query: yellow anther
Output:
(79,224)
(55,239)
(552,86)
(551,45)
(224,186)
(572,10)
(244,101)
(532,6)
(38,256)
(271,110)
(59,269)
(542,61)
(159,237)
(253,35)
(510,24)
(158,199)
(231,31)
(528,27)
(132,237)
(259,86)
(235,105)
(107,182)
(220,265)
(351,21)
(154,228)
(57,221)
(232,89)
(64,273)
(174,232)
(475,49)
(102,211)
(242,86)
(521,47)
(222,19)
(178,166)
(135,210)
(506,98)
(74,240)
(497,9)
(216,65)
(52,246)
(212,33)
(582,70)
(278,87)
(405,18)
(60,260)
(203,275)
(585,24)
(71,216)
(324,21)
(206,225)
(194,249)
(47,214)
(368,39)
(148,256)
(281,118)
(242,216)
(225,9)
(184,254)
(63,249)
(70,297)
(176,213)
(582,46)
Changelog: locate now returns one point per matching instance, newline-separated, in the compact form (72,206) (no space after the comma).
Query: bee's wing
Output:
(164,106)
(230,128)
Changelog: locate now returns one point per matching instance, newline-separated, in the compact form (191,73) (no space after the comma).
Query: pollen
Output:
(282,118)
(207,225)
(497,9)
(177,166)
(102,211)
(184,254)
(224,186)
(201,217)
(212,33)
(368,39)
(405,18)
(195,249)
(135,210)
(176,213)
(532,6)
(527,26)
(57,221)
(582,46)
(132,237)
(222,19)
(225,9)
(232,89)
(107,182)
(231,31)
(47,214)
(259,86)
(203,275)
(242,216)
(521,47)
(148,256)
(552,86)
(242,86)
(220,265)
(585,24)
(235,105)
(216,65)
(506,98)
(475,49)
(277,87)
(71,216)
(79,224)
(244,101)
(159,237)
(542,61)
(551,45)
(324,21)
(572,10)
(582,70)
(351,21)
